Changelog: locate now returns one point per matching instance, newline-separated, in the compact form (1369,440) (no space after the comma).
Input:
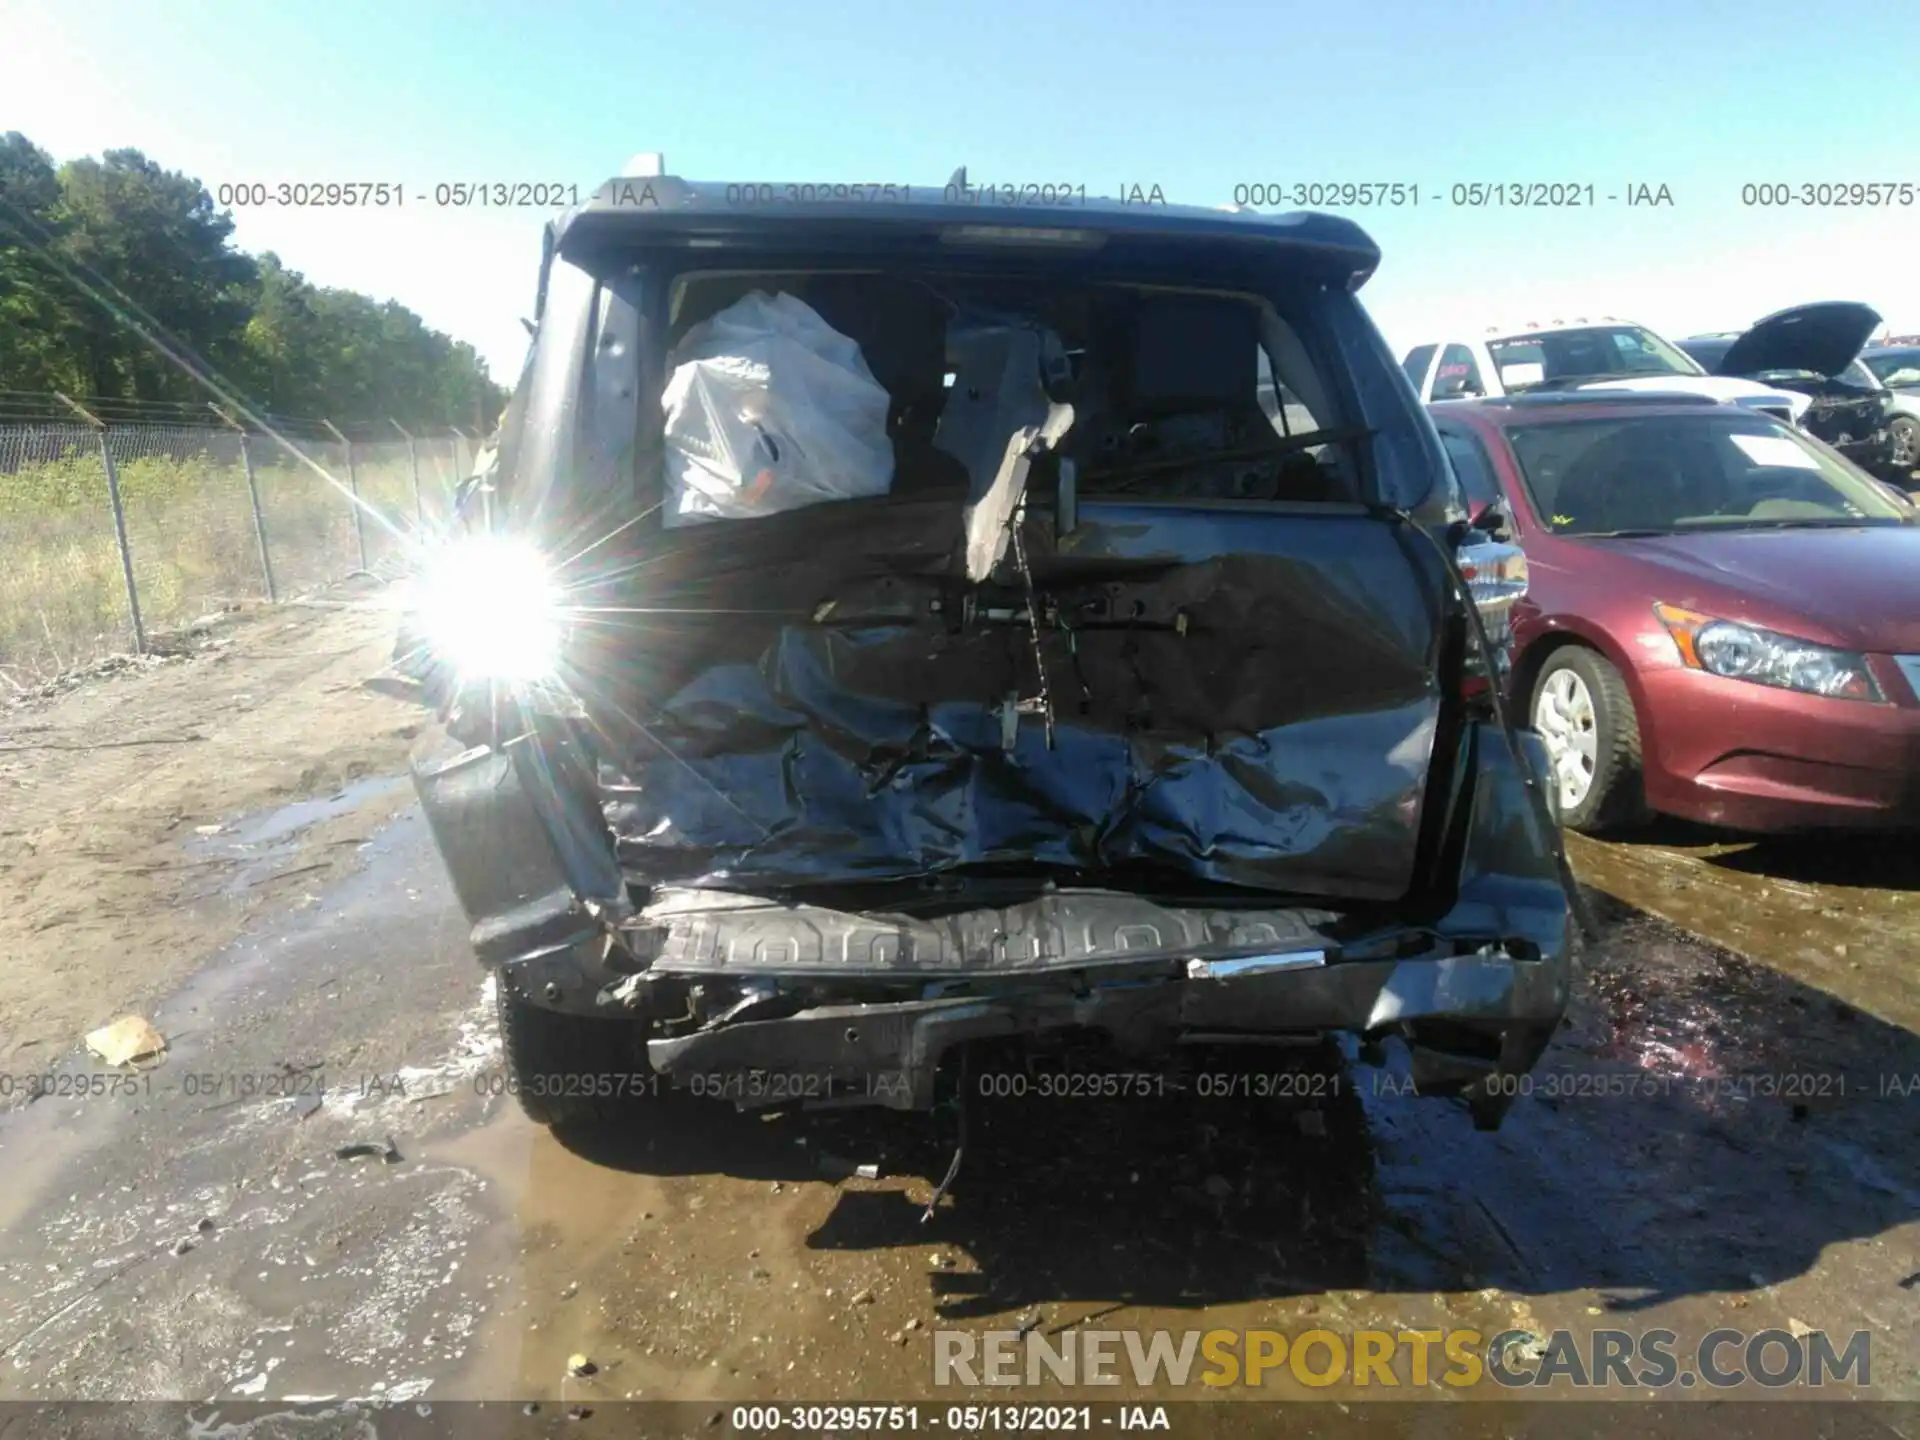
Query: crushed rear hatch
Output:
(1143,701)
(1242,698)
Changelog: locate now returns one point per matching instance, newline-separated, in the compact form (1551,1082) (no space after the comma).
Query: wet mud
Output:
(1840,913)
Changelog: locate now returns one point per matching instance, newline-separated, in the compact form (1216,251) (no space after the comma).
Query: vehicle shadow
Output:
(1864,860)
(1859,862)
(1700,1125)
(1214,1194)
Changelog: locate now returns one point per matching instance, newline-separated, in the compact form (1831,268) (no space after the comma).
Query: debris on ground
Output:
(946,1183)
(1526,1345)
(388,1152)
(580,1365)
(77,676)
(130,1038)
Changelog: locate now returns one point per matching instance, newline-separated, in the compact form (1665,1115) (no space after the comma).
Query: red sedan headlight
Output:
(1746,652)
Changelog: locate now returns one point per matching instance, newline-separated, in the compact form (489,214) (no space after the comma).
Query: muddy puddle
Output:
(202,1227)
(255,848)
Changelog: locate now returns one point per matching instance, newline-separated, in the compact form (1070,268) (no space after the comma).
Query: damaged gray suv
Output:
(890,622)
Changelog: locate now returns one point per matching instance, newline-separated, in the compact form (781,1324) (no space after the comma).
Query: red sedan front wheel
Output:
(1583,712)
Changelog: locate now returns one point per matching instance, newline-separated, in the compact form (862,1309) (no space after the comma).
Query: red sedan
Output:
(1723,620)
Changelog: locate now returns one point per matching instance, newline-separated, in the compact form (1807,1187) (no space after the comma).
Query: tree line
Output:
(149,243)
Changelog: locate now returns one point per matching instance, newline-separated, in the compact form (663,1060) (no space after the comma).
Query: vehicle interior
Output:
(1174,394)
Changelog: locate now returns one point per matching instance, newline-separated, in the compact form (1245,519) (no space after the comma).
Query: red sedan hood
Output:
(1858,587)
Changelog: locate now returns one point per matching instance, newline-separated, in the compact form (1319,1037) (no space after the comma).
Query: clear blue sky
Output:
(1197,98)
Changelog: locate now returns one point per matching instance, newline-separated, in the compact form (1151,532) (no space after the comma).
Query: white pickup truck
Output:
(1583,354)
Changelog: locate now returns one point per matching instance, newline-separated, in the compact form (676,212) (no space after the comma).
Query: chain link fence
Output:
(112,534)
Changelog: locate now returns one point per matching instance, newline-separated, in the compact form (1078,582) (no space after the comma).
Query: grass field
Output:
(191,530)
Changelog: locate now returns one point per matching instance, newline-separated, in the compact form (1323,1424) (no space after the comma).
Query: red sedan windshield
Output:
(1661,473)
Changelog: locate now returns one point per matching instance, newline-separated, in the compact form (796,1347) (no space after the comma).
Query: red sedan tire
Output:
(1582,710)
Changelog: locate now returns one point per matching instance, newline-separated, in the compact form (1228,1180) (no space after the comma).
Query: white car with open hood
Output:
(1583,354)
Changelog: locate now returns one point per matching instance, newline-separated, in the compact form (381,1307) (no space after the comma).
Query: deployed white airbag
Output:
(769,408)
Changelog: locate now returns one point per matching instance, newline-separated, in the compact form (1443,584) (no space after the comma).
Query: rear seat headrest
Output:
(1193,353)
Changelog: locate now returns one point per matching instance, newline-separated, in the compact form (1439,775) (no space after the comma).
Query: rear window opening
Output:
(1176,394)
(910,682)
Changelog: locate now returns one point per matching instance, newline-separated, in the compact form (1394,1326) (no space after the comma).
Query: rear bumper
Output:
(891,1054)
(1749,757)
(1462,1016)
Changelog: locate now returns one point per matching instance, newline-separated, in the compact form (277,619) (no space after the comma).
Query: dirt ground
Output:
(111,886)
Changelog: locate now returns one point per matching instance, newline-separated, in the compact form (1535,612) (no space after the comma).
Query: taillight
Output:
(1495,572)
(1496,576)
